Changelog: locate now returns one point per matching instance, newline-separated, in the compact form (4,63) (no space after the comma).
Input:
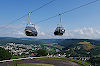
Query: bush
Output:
(42,52)
(4,54)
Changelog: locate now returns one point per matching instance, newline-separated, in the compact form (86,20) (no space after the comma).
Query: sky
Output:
(82,23)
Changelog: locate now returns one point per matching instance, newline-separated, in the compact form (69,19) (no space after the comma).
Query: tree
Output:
(42,52)
(4,54)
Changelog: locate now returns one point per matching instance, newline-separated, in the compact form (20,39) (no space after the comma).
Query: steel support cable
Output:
(69,11)
(80,6)
(27,14)
(42,6)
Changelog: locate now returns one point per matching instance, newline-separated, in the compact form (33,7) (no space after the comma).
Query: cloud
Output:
(19,33)
(13,31)
(83,33)
(42,33)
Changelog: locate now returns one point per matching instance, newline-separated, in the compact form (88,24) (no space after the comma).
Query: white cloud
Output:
(87,33)
(19,33)
(42,33)
(84,33)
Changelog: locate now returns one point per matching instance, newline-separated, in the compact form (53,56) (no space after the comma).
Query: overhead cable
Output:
(27,14)
(69,11)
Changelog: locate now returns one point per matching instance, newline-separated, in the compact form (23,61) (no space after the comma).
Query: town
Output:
(22,50)
(28,50)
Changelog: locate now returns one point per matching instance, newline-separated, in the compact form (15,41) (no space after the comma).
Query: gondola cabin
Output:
(30,30)
(59,31)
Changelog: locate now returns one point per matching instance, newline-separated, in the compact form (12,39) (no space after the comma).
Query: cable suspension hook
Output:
(29,17)
(60,15)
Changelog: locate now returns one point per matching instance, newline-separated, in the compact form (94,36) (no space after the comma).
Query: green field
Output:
(31,64)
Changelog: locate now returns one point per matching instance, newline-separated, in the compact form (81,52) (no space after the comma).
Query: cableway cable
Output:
(68,11)
(27,14)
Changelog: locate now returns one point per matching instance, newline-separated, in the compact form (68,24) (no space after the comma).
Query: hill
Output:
(81,47)
(5,40)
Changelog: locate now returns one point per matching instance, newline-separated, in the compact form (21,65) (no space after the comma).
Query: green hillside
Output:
(81,47)
(5,40)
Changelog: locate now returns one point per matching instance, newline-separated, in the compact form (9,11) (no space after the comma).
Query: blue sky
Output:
(80,23)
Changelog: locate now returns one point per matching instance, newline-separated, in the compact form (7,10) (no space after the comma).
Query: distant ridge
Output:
(5,40)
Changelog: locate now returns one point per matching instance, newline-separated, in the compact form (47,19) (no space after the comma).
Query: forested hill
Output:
(5,40)
(82,47)
(72,42)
